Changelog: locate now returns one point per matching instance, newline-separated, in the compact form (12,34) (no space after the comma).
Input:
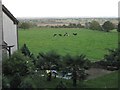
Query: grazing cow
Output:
(60,34)
(74,34)
(54,35)
(66,34)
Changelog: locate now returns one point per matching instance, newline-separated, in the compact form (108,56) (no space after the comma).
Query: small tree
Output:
(24,25)
(94,25)
(87,25)
(107,26)
(72,25)
(79,63)
(79,25)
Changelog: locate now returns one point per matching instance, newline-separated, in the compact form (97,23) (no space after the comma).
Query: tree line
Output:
(93,25)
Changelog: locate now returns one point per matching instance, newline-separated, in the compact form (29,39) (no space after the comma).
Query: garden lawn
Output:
(93,44)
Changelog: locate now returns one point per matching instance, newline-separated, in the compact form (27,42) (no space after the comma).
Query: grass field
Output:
(93,44)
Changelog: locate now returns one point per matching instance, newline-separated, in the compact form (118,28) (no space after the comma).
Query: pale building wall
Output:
(10,32)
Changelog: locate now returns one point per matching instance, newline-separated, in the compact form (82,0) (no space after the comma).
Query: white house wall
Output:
(10,32)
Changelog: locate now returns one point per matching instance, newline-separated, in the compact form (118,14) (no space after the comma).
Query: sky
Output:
(62,8)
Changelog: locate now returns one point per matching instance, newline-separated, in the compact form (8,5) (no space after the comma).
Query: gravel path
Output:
(96,72)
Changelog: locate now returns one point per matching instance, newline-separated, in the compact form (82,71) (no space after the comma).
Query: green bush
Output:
(94,25)
(112,58)
(107,26)
(25,50)
(5,82)
(80,61)
(77,63)
(47,60)
(24,25)
(111,61)
(18,63)
(15,81)
(27,83)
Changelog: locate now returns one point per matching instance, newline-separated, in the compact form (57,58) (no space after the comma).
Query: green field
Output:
(93,44)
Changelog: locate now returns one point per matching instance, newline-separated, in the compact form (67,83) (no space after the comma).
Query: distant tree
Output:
(118,29)
(52,26)
(24,25)
(79,25)
(64,26)
(107,26)
(87,25)
(72,25)
(94,25)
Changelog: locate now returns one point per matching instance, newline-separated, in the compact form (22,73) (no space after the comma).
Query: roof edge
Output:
(8,13)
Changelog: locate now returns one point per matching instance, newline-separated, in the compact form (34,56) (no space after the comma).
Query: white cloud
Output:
(62,8)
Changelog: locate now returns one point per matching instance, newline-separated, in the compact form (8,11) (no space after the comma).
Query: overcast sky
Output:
(62,8)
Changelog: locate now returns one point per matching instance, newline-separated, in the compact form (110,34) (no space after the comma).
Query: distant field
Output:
(93,44)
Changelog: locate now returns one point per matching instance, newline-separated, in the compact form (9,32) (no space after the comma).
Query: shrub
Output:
(47,60)
(27,83)
(24,25)
(107,26)
(25,50)
(78,63)
(81,61)
(111,61)
(94,25)
(113,58)
(16,80)
(17,63)
(68,59)
(5,82)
